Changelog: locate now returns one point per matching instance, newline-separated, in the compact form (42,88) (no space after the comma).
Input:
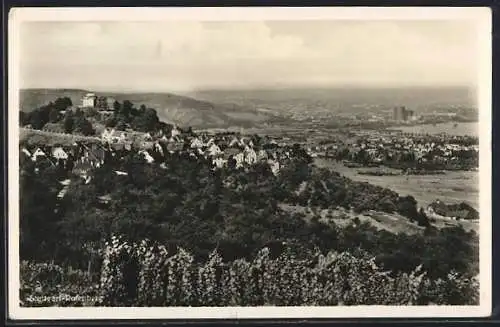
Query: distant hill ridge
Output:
(171,108)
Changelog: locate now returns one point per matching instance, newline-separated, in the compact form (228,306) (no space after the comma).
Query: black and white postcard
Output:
(196,163)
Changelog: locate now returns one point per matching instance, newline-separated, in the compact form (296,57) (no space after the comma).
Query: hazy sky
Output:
(186,55)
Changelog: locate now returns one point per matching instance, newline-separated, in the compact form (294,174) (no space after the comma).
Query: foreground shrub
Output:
(146,274)
(44,284)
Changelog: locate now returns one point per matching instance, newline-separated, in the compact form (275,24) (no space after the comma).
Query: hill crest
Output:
(171,108)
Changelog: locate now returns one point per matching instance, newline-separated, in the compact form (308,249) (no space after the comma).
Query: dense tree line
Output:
(125,115)
(60,113)
(50,112)
(433,160)
(141,119)
(77,122)
(328,189)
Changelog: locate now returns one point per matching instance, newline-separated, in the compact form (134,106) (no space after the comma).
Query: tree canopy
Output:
(236,211)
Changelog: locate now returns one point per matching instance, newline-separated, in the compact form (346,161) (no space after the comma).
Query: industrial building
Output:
(402,114)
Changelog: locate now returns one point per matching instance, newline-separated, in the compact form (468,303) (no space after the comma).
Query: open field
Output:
(38,137)
(393,223)
(452,187)
(467,225)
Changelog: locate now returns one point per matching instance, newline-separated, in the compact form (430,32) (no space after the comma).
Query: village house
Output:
(164,139)
(175,139)
(250,156)
(174,147)
(196,143)
(89,100)
(214,150)
(108,134)
(147,145)
(219,162)
(123,136)
(158,134)
(104,104)
(454,211)
(262,155)
(210,142)
(65,185)
(275,166)
(114,148)
(175,132)
(240,159)
(92,154)
(113,136)
(235,142)
(26,152)
(147,156)
(104,199)
(39,153)
(59,154)
(158,148)
(82,168)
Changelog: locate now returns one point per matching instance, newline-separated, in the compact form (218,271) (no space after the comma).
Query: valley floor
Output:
(452,187)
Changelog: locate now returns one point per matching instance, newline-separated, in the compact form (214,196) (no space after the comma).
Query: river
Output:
(471,129)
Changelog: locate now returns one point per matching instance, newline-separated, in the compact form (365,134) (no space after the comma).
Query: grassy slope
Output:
(36,137)
(181,110)
(393,223)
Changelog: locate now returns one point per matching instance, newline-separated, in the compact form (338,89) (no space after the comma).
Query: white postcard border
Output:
(480,15)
